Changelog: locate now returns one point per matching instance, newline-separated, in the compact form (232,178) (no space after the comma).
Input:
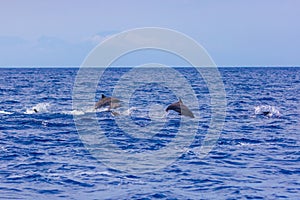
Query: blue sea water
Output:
(257,156)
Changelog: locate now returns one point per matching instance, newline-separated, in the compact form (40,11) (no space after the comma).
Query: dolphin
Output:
(180,108)
(105,101)
(266,113)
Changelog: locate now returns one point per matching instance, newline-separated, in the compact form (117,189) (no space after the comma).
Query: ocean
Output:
(46,154)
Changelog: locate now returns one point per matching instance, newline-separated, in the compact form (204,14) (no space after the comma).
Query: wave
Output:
(5,112)
(73,112)
(124,112)
(115,112)
(43,108)
(267,110)
(46,108)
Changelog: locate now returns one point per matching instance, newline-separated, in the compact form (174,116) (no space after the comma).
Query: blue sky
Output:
(234,32)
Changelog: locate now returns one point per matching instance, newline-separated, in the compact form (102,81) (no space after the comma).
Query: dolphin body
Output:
(105,101)
(181,109)
(266,113)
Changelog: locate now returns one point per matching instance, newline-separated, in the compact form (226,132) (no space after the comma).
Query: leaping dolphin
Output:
(181,109)
(105,101)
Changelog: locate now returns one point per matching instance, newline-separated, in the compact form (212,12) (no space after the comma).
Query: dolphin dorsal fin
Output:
(180,101)
(103,96)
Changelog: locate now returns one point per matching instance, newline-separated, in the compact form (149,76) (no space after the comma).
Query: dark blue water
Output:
(257,155)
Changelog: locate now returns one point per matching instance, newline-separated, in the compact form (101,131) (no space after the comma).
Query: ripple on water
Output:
(256,157)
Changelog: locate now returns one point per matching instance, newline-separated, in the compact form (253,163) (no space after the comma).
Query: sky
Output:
(234,32)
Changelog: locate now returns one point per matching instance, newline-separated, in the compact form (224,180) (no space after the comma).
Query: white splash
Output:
(103,109)
(129,111)
(115,112)
(5,112)
(39,108)
(73,112)
(123,112)
(267,110)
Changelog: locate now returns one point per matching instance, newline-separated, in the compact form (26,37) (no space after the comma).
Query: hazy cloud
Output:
(233,32)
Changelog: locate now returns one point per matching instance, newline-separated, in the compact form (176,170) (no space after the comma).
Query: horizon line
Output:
(129,66)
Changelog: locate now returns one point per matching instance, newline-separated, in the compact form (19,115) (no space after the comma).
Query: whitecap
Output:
(5,112)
